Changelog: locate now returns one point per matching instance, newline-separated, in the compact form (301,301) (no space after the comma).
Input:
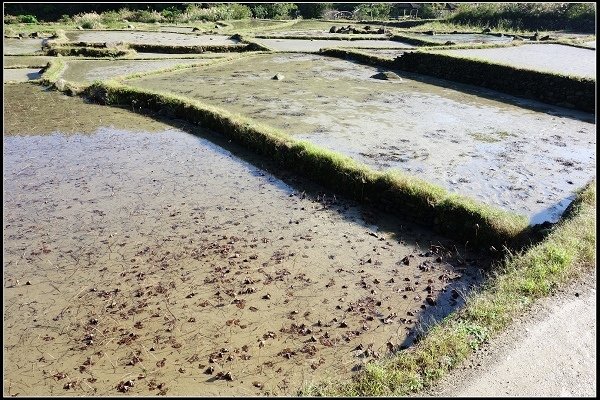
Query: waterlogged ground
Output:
(20,74)
(160,38)
(556,58)
(463,38)
(26,61)
(502,153)
(21,46)
(316,44)
(91,70)
(141,259)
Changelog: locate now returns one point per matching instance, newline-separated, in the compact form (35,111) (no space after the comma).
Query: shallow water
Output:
(21,46)
(161,38)
(502,154)
(316,44)
(33,61)
(144,253)
(20,74)
(555,58)
(463,38)
(140,55)
(91,70)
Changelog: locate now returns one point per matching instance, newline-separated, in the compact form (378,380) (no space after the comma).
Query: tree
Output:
(313,10)
(373,11)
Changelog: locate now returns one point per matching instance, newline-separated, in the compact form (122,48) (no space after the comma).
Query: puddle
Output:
(502,154)
(160,38)
(21,46)
(540,57)
(89,71)
(21,74)
(316,45)
(152,256)
(461,38)
(40,61)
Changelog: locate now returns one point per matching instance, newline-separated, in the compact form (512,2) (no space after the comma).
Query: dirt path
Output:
(549,352)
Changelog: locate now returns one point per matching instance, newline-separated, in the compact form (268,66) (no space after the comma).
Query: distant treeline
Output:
(515,16)
(579,17)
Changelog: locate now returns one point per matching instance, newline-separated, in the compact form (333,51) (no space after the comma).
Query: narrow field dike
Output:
(458,217)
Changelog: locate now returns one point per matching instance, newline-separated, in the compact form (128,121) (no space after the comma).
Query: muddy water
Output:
(140,55)
(162,38)
(316,44)
(21,46)
(91,70)
(33,61)
(384,53)
(317,33)
(463,38)
(555,58)
(20,74)
(513,157)
(149,255)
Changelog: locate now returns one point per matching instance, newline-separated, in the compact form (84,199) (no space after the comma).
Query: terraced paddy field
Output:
(158,38)
(20,74)
(555,58)
(312,45)
(462,38)
(492,147)
(38,61)
(140,258)
(21,46)
(87,71)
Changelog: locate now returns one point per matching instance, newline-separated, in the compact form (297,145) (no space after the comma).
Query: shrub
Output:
(373,11)
(88,20)
(27,19)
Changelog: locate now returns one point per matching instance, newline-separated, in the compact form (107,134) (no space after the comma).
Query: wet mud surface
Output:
(37,61)
(20,74)
(145,260)
(161,38)
(140,55)
(500,152)
(463,38)
(316,44)
(90,70)
(554,58)
(21,46)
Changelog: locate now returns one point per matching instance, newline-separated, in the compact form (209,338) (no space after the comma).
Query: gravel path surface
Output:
(551,351)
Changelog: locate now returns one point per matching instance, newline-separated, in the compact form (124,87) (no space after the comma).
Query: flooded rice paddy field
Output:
(141,259)
(463,38)
(137,37)
(498,152)
(320,33)
(20,74)
(556,58)
(316,44)
(143,55)
(29,61)
(90,70)
(21,46)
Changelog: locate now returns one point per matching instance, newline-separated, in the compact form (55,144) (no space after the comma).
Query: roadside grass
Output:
(518,280)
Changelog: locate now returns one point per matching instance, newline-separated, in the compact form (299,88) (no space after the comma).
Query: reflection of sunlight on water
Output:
(498,151)
(162,245)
